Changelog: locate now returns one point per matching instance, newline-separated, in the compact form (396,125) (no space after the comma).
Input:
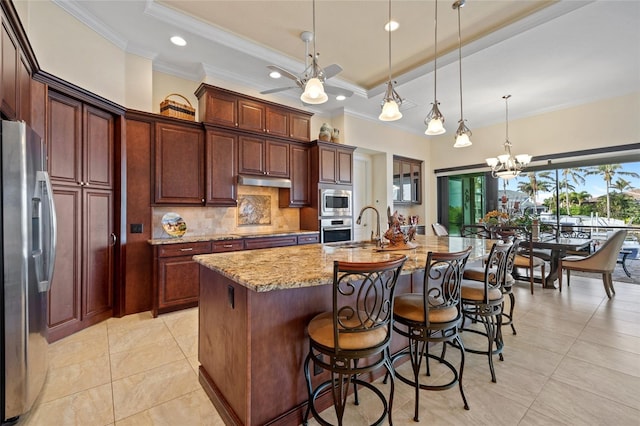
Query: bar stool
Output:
(431,317)
(482,302)
(354,337)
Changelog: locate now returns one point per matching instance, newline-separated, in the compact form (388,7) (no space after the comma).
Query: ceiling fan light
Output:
(435,127)
(314,92)
(390,111)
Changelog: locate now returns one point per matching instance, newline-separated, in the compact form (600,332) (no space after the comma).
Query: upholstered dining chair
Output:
(433,316)
(482,302)
(439,229)
(353,338)
(602,261)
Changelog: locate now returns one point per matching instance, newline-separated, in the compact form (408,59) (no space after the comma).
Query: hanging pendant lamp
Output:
(435,119)
(314,90)
(463,134)
(391,101)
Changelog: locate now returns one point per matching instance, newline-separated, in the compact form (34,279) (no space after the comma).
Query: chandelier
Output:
(507,166)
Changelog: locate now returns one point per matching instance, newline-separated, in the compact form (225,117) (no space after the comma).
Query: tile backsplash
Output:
(224,220)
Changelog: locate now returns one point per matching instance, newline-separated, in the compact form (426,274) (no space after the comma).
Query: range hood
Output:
(271,181)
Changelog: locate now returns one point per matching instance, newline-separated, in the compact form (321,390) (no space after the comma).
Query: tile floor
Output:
(574,361)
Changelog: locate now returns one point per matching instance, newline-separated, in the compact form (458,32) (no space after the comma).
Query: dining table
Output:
(558,248)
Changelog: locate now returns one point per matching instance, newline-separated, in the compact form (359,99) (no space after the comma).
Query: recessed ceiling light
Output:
(393,24)
(178,41)
(341,97)
(275,74)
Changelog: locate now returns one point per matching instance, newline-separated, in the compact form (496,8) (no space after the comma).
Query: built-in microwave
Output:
(335,202)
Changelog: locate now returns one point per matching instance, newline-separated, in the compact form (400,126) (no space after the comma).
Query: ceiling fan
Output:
(311,65)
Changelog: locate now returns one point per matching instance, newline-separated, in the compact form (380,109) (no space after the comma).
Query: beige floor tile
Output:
(535,336)
(188,344)
(87,408)
(143,358)
(605,356)
(131,321)
(124,338)
(618,325)
(616,340)
(142,391)
(194,408)
(94,332)
(181,323)
(195,364)
(602,381)
(64,353)
(74,378)
(566,404)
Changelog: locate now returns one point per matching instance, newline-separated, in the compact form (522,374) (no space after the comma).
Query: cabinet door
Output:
(251,115)
(221,167)
(251,155)
(299,127)
(178,281)
(416,183)
(179,165)
(219,108)
(345,164)
(24,88)
(328,161)
(277,122)
(299,194)
(64,139)
(98,148)
(98,246)
(9,77)
(277,158)
(65,293)
(397,183)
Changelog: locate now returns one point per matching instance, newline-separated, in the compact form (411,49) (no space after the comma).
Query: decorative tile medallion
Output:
(254,210)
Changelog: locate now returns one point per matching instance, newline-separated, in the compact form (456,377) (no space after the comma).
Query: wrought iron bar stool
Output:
(431,317)
(482,302)
(354,337)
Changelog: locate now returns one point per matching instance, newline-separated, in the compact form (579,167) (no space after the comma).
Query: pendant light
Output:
(463,133)
(391,101)
(435,119)
(314,90)
(507,166)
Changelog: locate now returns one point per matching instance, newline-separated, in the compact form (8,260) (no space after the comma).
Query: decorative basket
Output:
(171,108)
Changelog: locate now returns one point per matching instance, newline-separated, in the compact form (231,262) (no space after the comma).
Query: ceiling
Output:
(548,55)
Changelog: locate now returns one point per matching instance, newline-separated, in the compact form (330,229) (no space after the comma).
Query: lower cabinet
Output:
(176,276)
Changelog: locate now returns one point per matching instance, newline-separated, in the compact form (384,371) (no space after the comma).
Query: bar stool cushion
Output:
(477,274)
(472,290)
(321,330)
(410,307)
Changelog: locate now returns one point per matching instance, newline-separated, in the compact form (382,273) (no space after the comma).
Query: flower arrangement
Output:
(495,217)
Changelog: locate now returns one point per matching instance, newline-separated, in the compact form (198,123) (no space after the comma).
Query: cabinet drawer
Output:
(186,249)
(308,239)
(268,242)
(228,245)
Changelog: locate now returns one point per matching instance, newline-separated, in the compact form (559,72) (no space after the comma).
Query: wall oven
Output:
(336,229)
(336,202)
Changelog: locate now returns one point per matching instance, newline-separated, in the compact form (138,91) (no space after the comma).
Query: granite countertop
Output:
(311,265)
(222,237)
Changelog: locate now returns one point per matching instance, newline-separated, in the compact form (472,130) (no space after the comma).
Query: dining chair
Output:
(430,317)
(601,261)
(439,229)
(353,338)
(482,302)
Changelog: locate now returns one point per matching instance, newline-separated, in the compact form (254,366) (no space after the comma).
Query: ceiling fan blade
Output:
(279,89)
(337,90)
(331,70)
(284,72)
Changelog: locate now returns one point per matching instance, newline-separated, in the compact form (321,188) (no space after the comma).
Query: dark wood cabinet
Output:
(177,276)
(221,168)
(80,142)
(270,242)
(308,239)
(407,180)
(226,108)
(9,78)
(259,156)
(335,164)
(299,193)
(179,164)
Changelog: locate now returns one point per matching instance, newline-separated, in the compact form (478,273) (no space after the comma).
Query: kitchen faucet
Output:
(377,237)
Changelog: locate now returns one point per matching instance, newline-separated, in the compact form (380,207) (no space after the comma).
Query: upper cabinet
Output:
(335,163)
(407,180)
(259,156)
(225,108)
(15,77)
(221,167)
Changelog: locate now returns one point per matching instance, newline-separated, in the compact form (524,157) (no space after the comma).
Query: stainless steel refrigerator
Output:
(27,238)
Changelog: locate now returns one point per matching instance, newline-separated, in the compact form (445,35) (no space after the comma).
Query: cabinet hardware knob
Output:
(187,249)
(227,245)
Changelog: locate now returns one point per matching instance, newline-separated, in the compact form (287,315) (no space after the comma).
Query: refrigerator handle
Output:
(43,177)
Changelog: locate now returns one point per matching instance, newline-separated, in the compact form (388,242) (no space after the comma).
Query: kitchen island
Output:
(254,308)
